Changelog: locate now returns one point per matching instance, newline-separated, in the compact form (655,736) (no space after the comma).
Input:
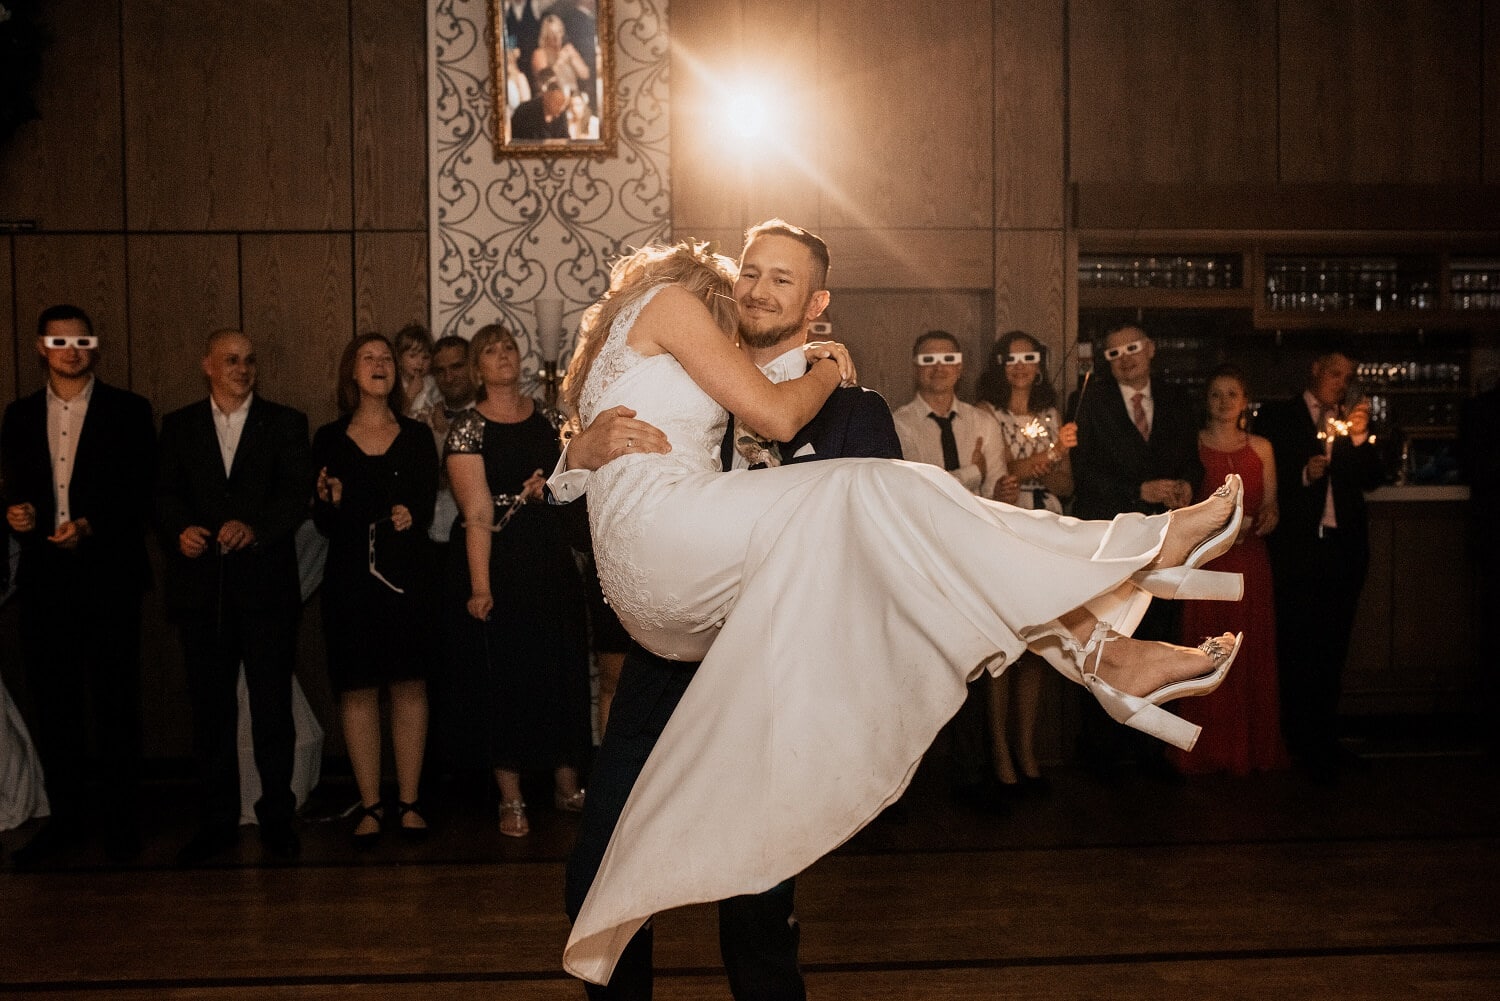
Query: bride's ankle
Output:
(1140,667)
(1187,527)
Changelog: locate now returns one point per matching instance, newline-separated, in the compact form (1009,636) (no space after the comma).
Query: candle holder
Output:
(548,341)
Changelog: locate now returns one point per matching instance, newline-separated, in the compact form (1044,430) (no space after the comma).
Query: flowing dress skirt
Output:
(857,599)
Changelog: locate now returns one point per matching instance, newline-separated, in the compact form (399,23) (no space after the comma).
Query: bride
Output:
(839,607)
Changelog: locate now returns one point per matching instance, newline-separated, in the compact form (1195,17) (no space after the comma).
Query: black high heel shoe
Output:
(415,835)
(367,840)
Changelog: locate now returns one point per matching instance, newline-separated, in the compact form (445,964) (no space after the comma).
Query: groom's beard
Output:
(768,337)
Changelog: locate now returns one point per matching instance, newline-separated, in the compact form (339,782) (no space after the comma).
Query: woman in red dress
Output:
(1241,721)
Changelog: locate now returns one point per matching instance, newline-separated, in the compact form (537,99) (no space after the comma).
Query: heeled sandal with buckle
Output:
(568,803)
(414,808)
(513,822)
(1145,713)
(368,839)
(1188,581)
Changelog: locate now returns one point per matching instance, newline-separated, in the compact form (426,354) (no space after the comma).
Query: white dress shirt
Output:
(922,441)
(229,427)
(567,485)
(64,425)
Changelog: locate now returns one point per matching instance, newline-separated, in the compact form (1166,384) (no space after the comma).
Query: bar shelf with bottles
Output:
(1474,283)
(1329,282)
(1163,280)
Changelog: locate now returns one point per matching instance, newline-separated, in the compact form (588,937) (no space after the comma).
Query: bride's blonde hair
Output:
(689,264)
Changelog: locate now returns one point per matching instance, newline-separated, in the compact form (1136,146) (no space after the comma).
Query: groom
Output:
(781,289)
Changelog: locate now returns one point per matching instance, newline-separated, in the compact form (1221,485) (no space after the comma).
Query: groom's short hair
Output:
(813,242)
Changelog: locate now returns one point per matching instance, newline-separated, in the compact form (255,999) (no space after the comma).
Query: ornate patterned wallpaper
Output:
(501,234)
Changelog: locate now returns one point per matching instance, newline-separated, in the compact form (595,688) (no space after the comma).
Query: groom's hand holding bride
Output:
(613,433)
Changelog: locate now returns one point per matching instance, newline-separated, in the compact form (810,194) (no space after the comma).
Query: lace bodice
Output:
(623,494)
(660,392)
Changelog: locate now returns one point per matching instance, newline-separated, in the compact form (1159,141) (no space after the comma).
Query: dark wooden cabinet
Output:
(1415,644)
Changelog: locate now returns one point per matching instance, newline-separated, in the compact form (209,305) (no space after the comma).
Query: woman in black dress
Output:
(523,584)
(377,481)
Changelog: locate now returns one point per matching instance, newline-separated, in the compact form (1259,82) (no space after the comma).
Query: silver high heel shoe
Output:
(1189,582)
(1145,713)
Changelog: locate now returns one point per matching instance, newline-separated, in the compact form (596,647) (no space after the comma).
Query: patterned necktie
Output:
(760,452)
(1138,414)
(950,444)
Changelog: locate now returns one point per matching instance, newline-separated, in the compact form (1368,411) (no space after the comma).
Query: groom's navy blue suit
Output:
(757,934)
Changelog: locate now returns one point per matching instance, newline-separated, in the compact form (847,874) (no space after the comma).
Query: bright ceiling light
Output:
(747,114)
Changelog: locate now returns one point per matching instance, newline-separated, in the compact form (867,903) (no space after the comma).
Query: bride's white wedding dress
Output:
(839,607)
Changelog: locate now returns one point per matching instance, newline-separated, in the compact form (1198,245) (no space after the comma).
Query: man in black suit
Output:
(1137,451)
(1319,551)
(782,288)
(234,483)
(544,116)
(78,459)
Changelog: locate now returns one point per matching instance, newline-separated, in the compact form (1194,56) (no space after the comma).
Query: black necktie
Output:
(950,444)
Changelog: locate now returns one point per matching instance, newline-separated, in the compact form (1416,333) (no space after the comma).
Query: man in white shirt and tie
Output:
(938,428)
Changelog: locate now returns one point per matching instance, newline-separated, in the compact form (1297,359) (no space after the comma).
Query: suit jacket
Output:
(1112,460)
(854,423)
(113,467)
(268,488)
(529,121)
(1289,427)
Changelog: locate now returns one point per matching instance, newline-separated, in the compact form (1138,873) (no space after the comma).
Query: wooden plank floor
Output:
(1383,886)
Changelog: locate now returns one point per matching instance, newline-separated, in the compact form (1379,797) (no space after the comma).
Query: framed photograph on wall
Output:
(552,69)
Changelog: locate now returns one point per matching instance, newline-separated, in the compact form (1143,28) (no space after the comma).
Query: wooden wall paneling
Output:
(707,172)
(390,281)
(182,288)
(910,258)
(11,337)
(298,310)
(63,170)
(1169,92)
(782,57)
(1029,88)
(1381,91)
(879,327)
(1490,87)
(1029,286)
(912,143)
(237,115)
(85,270)
(390,107)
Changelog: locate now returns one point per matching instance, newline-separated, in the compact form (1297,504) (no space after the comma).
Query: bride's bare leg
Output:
(1140,667)
(1188,526)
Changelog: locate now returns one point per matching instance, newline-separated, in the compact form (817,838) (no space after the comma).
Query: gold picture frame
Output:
(552,75)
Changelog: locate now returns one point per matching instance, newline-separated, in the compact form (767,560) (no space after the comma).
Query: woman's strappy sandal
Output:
(1145,713)
(1189,582)
(513,822)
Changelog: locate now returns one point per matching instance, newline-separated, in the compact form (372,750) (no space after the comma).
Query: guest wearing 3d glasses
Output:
(938,428)
(941,430)
(1137,451)
(375,491)
(79,457)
